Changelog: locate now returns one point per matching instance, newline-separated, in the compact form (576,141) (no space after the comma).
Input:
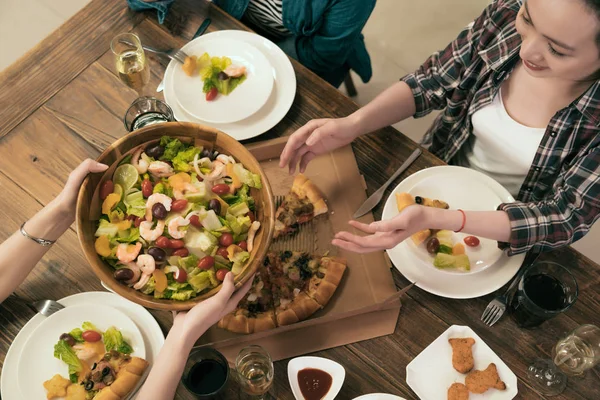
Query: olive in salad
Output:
(176,218)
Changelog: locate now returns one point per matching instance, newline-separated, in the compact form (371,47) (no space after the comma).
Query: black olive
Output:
(215,205)
(223,76)
(157,253)
(159,211)
(285,255)
(418,200)
(89,385)
(155,151)
(68,338)
(123,274)
(94,366)
(105,371)
(207,153)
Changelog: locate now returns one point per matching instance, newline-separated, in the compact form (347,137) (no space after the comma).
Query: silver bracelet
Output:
(40,241)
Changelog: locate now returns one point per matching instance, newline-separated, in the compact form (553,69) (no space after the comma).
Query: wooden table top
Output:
(62,102)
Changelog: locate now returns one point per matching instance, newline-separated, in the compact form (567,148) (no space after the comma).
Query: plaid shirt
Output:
(560,197)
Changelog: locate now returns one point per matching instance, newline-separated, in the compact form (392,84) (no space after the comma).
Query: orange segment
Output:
(102,246)
(110,202)
(161,280)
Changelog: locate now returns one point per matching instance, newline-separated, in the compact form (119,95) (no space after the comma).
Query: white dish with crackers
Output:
(487,267)
(486,372)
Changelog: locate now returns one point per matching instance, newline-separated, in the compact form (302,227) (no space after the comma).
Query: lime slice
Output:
(126,176)
(118,190)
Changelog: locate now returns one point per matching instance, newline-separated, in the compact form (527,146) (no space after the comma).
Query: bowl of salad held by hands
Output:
(180,206)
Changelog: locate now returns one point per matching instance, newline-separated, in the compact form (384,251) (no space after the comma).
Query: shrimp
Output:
(128,252)
(154,199)
(142,282)
(174,226)
(84,353)
(218,169)
(235,72)
(149,234)
(160,169)
(225,159)
(251,233)
(140,165)
(187,188)
(146,263)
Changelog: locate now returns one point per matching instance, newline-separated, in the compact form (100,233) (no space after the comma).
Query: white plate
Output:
(151,333)
(337,372)
(39,349)
(379,396)
(244,101)
(496,267)
(431,373)
(277,105)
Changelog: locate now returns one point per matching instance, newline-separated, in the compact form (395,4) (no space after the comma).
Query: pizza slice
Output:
(404,200)
(254,312)
(304,202)
(326,279)
(290,277)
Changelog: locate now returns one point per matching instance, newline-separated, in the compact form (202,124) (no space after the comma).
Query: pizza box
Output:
(365,305)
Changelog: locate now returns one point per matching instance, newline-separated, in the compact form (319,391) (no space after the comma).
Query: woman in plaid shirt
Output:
(539,59)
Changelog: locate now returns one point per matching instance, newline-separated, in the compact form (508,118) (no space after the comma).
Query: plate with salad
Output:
(173,216)
(223,80)
(83,352)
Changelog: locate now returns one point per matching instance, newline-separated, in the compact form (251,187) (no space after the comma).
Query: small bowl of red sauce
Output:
(315,378)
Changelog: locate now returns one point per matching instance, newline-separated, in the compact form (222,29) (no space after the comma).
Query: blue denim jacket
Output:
(326,33)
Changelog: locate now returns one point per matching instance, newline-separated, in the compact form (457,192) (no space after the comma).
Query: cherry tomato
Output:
(91,336)
(107,188)
(181,275)
(212,93)
(243,245)
(179,205)
(163,242)
(206,263)
(221,189)
(221,274)
(182,252)
(177,243)
(222,251)
(226,239)
(251,216)
(195,221)
(471,241)
(146,188)
(137,222)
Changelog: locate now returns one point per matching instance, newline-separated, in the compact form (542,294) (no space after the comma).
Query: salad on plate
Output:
(176,218)
(218,74)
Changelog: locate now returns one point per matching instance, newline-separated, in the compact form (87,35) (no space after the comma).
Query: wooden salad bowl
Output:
(89,205)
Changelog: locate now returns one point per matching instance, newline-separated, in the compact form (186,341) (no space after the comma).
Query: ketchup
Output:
(314,383)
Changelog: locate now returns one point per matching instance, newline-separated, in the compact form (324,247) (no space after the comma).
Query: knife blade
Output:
(203,26)
(376,197)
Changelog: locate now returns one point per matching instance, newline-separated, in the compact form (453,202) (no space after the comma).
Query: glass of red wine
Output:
(545,290)
(206,373)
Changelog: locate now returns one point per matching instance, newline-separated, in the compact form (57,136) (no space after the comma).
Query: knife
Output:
(378,195)
(203,26)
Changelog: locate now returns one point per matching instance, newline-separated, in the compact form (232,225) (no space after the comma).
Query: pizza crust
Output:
(304,188)
(286,316)
(127,378)
(322,289)
(304,306)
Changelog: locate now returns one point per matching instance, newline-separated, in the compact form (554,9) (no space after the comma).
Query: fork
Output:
(497,307)
(173,54)
(47,307)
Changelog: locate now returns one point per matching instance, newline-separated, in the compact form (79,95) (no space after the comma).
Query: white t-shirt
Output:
(503,148)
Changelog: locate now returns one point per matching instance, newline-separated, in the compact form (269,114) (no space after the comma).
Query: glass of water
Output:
(146,111)
(572,355)
(255,371)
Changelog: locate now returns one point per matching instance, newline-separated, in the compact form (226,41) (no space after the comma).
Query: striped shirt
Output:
(560,197)
(267,15)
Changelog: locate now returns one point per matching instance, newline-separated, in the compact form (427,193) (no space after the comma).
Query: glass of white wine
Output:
(254,368)
(130,61)
(572,356)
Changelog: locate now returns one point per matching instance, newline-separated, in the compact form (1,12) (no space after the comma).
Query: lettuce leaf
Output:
(188,263)
(88,326)
(106,228)
(183,295)
(77,335)
(203,281)
(64,352)
(183,158)
(113,340)
(172,147)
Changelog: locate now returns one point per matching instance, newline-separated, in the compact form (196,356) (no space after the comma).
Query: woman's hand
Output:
(196,321)
(317,137)
(383,234)
(67,198)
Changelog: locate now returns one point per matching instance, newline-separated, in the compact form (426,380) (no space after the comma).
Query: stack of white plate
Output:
(255,106)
